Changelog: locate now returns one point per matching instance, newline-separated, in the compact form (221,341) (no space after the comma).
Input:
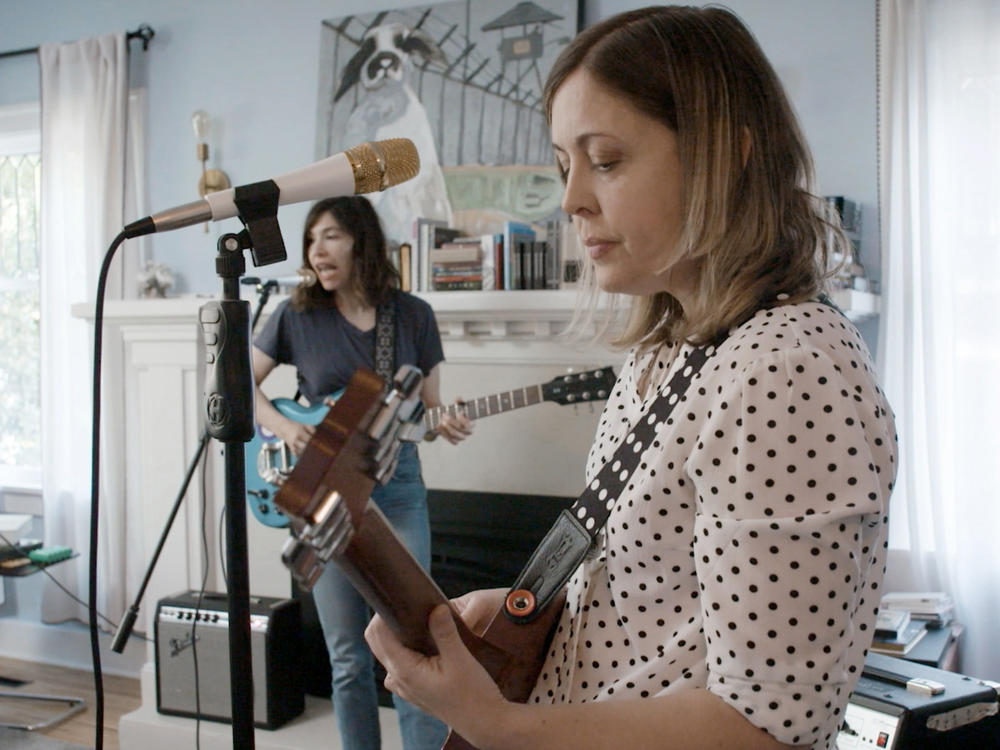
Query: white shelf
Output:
(14,525)
(500,302)
(508,314)
(858,306)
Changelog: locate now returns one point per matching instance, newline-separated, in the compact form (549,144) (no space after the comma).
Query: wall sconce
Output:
(211,180)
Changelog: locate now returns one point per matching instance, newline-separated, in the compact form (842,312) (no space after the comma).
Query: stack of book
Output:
(935,608)
(459,263)
(527,259)
(896,632)
(444,258)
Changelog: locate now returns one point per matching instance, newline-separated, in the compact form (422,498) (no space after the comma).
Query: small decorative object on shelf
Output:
(154,280)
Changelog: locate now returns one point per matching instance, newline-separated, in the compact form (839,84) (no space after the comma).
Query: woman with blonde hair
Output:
(731,590)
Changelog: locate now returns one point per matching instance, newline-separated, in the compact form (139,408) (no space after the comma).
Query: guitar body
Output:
(328,497)
(265,454)
(268,463)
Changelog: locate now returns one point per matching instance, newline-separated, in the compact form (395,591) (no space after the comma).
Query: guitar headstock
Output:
(356,445)
(580,387)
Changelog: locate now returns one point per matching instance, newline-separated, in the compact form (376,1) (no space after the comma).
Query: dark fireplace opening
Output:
(478,540)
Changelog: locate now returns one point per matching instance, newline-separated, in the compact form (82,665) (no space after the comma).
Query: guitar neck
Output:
(486,406)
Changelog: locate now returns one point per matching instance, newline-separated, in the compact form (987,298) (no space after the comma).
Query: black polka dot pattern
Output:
(746,553)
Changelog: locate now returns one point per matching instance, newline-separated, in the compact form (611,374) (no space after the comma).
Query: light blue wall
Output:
(253,65)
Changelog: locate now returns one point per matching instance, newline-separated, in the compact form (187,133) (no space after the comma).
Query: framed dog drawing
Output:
(462,80)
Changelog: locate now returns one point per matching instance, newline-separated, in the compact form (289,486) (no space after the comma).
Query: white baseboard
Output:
(68,645)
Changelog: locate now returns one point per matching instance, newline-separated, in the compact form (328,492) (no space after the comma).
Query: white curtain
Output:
(939,342)
(84,104)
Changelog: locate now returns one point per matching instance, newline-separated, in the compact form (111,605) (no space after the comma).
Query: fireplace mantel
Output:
(514,315)
(511,315)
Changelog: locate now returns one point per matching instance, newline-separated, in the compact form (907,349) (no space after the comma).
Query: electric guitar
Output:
(269,461)
(327,498)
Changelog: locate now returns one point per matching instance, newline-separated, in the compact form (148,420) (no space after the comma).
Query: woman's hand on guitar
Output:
(295,435)
(477,608)
(451,685)
(454,428)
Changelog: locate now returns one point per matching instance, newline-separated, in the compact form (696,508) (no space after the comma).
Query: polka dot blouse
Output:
(747,553)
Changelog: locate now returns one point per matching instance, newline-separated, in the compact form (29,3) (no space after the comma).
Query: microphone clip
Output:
(257,205)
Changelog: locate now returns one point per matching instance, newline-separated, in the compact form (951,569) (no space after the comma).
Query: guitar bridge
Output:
(274,462)
(307,553)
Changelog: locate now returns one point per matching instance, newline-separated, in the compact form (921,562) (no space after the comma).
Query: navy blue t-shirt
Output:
(326,349)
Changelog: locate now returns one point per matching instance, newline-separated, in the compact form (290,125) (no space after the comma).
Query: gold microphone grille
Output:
(382,164)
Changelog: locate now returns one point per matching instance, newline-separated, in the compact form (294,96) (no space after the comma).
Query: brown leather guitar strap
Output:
(577,528)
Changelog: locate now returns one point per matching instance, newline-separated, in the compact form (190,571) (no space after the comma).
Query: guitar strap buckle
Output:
(551,564)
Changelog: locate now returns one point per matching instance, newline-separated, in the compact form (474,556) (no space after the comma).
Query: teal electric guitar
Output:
(269,461)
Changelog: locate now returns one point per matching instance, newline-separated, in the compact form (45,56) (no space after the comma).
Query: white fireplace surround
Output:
(493,342)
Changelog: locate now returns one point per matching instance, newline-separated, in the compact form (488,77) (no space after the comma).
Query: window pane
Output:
(20,375)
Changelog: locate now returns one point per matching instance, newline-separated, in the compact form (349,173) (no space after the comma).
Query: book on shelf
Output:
(428,234)
(404,264)
(891,622)
(499,267)
(936,608)
(520,256)
(451,276)
(515,234)
(530,265)
(903,642)
(465,262)
(457,252)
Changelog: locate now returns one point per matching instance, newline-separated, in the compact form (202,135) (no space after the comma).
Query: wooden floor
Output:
(121,695)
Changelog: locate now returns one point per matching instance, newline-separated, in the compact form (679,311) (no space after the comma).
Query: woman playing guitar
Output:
(327,331)
(732,594)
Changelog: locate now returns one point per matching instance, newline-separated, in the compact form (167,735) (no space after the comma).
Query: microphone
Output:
(368,168)
(303,276)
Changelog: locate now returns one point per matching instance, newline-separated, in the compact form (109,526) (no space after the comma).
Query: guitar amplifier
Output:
(186,635)
(902,705)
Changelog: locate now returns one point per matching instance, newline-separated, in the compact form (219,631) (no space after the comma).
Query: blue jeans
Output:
(344,614)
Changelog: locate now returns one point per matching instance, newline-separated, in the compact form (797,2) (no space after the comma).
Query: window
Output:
(20,365)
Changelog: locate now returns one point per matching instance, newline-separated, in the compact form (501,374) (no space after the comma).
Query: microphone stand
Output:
(125,627)
(229,407)
(229,390)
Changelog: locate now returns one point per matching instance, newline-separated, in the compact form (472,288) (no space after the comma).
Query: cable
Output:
(95,458)
(222,545)
(197,609)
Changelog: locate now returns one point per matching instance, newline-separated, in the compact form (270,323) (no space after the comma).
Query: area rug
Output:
(19,739)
